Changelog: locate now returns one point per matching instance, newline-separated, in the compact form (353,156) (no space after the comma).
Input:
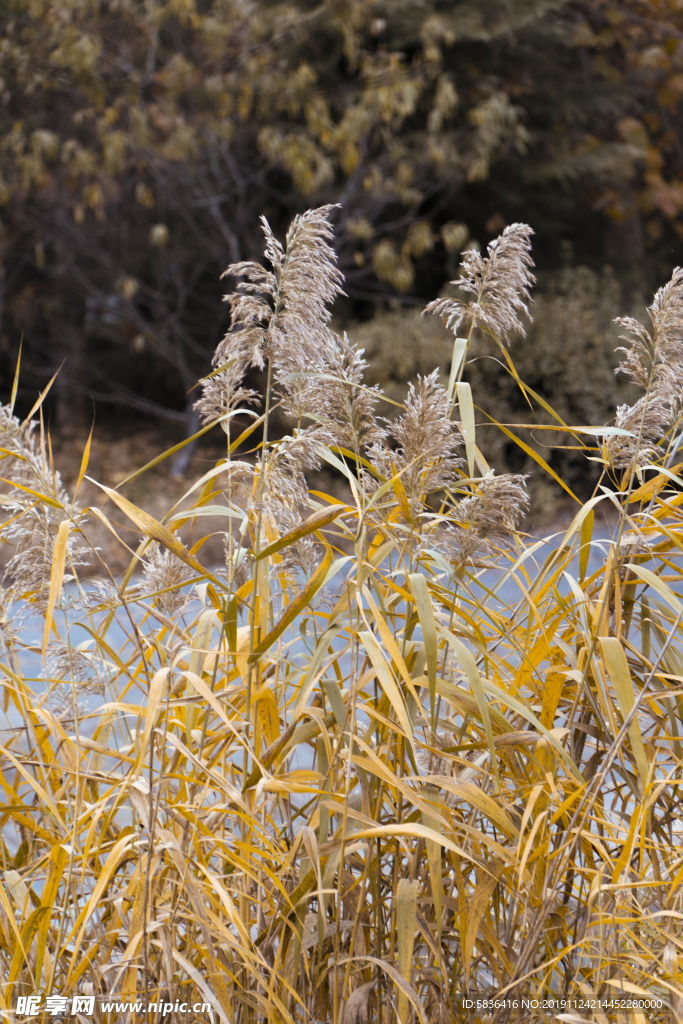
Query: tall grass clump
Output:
(393,753)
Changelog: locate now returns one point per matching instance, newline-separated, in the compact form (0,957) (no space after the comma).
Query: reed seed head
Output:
(499,284)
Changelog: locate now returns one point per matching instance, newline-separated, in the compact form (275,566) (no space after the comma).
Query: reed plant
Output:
(393,754)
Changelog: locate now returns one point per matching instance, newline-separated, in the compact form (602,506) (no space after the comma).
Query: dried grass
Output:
(337,779)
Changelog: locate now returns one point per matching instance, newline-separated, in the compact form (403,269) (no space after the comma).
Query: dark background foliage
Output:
(140,143)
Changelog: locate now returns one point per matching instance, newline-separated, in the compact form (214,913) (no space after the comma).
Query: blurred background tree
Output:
(142,139)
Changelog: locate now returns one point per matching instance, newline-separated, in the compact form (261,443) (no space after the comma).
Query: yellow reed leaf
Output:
(655,485)
(267,717)
(585,547)
(21,949)
(129,985)
(156,692)
(56,576)
(294,608)
(157,531)
(56,865)
(406,908)
(195,664)
(475,906)
(554,684)
(434,861)
(467,427)
(84,462)
(386,680)
(614,657)
(323,517)
(117,853)
(423,603)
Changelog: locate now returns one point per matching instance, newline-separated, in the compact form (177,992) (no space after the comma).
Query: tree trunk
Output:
(70,399)
(181,462)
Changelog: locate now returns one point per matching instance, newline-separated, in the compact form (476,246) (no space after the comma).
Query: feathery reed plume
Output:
(243,345)
(317,373)
(499,283)
(282,316)
(72,674)
(344,405)
(222,392)
(281,471)
(33,521)
(67,664)
(426,441)
(647,421)
(163,570)
(654,361)
(279,314)
(485,521)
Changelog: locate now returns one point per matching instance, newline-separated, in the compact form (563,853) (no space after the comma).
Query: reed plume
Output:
(280,317)
(500,284)
(486,521)
(35,504)
(654,361)
(426,442)
(162,570)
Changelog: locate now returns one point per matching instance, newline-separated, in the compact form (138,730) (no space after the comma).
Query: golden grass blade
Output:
(617,668)
(19,958)
(188,440)
(118,851)
(434,862)
(459,349)
(387,681)
(156,531)
(476,797)
(425,613)
(84,462)
(401,495)
(45,498)
(15,382)
(554,685)
(154,699)
(398,980)
(56,577)
(644,575)
(200,643)
(586,534)
(201,984)
(472,673)
(391,646)
(42,396)
(314,522)
(536,457)
(414,829)
(655,485)
(35,785)
(57,863)
(467,426)
(267,717)
(474,911)
(406,909)
(295,608)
